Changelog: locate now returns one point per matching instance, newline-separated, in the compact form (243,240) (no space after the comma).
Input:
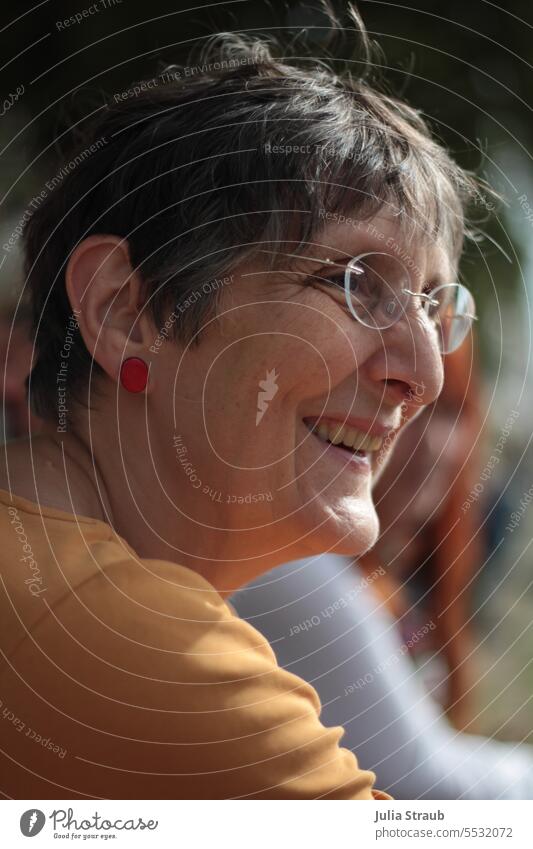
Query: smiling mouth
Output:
(353,441)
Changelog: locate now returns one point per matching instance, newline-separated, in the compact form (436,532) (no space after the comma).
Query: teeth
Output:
(336,434)
(339,434)
(323,431)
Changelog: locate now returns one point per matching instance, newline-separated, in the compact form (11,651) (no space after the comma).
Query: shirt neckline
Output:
(39,509)
(29,506)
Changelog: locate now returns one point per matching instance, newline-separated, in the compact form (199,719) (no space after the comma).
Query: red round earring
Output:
(134,374)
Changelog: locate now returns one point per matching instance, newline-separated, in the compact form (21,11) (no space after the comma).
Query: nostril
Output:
(399,389)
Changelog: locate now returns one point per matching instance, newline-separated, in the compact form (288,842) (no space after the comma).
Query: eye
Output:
(429,305)
(336,280)
(359,277)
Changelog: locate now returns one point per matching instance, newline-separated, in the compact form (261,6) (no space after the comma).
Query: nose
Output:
(406,367)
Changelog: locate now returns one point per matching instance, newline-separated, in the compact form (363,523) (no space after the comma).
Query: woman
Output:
(238,302)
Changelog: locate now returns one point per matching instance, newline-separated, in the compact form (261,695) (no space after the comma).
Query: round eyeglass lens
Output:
(452,309)
(375,288)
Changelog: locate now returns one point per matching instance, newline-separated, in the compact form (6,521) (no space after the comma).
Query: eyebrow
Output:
(324,261)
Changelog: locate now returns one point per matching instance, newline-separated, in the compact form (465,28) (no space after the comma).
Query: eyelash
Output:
(319,278)
(333,280)
(340,277)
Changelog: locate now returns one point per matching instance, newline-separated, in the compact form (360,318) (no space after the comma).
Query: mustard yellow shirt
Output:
(126,678)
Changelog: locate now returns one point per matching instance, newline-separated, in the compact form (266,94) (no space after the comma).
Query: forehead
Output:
(427,257)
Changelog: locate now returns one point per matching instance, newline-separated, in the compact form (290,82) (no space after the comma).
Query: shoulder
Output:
(151,684)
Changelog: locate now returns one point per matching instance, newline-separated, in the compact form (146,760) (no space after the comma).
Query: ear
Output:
(103,287)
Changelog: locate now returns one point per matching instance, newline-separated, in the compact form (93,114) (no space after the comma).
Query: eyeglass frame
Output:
(426,298)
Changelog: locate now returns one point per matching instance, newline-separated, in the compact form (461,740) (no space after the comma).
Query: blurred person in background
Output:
(432,549)
(386,639)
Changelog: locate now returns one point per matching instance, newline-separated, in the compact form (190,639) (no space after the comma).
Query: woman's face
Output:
(280,374)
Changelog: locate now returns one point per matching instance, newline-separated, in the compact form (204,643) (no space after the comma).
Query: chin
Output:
(348,525)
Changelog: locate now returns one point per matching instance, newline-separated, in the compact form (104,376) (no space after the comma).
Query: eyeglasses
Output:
(378,294)
(376,288)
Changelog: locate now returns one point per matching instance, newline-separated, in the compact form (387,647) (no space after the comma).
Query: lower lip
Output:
(355,462)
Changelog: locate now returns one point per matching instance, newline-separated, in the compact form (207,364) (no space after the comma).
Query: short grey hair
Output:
(188,170)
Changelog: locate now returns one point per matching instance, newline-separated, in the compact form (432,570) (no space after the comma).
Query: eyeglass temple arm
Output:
(434,303)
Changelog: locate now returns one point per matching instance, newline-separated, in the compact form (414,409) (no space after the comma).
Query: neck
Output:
(156,509)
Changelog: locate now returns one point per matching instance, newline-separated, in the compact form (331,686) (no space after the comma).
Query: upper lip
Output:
(371,426)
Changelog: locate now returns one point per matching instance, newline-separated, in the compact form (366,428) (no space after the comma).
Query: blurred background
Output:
(469,68)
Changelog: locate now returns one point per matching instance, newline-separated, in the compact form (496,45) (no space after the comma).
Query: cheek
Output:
(297,338)
(281,364)
(344,343)
(340,346)
(305,347)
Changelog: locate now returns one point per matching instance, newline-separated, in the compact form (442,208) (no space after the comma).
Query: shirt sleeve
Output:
(142,683)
